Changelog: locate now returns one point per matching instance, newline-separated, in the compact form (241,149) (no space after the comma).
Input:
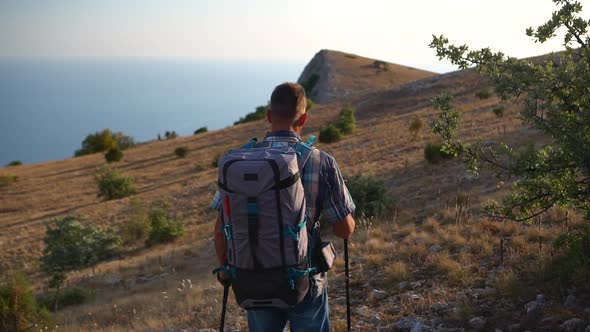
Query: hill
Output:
(422,263)
(333,75)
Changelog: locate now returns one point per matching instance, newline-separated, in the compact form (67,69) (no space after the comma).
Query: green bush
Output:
(68,297)
(369,194)
(330,134)
(14,163)
(18,308)
(433,153)
(114,154)
(346,121)
(170,134)
(572,265)
(215,161)
(201,130)
(498,111)
(181,151)
(258,114)
(416,126)
(113,184)
(484,93)
(7,179)
(380,65)
(138,225)
(103,141)
(162,228)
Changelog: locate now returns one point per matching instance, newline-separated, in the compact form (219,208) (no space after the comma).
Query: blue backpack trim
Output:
(250,143)
(231,271)
(293,273)
(293,231)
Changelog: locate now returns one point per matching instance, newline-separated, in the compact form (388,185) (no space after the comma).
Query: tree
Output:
(71,245)
(554,96)
(104,140)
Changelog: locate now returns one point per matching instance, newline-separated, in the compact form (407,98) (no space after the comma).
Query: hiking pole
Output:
(223,309)
(347,280)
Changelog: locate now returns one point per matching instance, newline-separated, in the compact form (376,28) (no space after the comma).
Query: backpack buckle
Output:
(227,231)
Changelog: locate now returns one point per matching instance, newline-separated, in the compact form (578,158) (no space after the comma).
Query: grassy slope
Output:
(382,145)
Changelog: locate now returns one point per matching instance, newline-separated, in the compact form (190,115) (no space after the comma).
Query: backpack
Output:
(265,224)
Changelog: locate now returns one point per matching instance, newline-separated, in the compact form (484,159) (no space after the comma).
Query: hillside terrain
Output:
(421,267)
(333,75)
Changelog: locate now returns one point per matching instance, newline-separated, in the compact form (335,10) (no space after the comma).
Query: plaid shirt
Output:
(333,201)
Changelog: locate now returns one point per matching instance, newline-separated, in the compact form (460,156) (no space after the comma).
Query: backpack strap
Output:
(304,151)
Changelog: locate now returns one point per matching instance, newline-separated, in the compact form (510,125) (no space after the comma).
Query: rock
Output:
(379,294)
(514,328)
(112,279)
(375,319)
(407,323)
(440,307)
(534,311)
(419,327)
(435,248)
(573,325)
(363,311)
(570,301)
(403,285)
(477,323)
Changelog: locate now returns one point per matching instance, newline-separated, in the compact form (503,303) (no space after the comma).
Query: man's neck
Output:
(293,129)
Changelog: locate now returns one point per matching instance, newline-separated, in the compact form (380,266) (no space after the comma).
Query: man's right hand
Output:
(223,278)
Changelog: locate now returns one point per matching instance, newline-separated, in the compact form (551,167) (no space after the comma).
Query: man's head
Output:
(287,107)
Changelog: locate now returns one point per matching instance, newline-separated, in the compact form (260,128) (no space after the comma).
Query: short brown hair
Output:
(288,101)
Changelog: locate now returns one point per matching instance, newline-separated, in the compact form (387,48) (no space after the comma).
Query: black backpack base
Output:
(268,288)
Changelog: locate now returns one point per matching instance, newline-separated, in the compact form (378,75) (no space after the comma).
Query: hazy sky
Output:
(396,31)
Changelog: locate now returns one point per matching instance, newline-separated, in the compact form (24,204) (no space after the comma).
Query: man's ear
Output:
(302,120)
(268,117)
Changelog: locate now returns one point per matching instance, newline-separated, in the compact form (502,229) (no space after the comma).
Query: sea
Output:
(49,105)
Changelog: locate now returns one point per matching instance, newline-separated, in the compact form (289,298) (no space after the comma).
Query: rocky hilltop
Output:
(333,75)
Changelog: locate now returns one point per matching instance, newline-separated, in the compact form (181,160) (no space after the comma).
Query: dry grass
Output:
(383,251)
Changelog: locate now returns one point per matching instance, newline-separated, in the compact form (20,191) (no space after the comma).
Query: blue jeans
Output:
(311,315)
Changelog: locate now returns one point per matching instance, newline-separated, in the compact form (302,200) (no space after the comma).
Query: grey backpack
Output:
(265,224)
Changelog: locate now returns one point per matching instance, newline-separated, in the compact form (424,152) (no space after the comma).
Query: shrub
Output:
(162,227)
(68,297)
(113,184)
(484,93)
(258,114)
(309,105)
(18,308)
(181,151)
(380,65)
(170,134)
(572,266)
(138,225)
(14,163)
(215,162)
(433,153)
(396,272)
(346,121)
(103,141)
(7,179)
(498,111)
(330,134)
(201,130)
(369,194)
(71,245)
(416,126)
(114,154)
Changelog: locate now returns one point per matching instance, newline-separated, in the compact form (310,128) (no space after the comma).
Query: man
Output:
(287,116)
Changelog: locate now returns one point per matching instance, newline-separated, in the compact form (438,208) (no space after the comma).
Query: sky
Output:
(394,31)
